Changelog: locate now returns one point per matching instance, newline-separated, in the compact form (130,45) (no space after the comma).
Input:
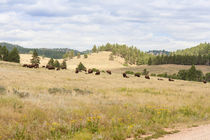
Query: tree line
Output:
(10,56)
(180,59)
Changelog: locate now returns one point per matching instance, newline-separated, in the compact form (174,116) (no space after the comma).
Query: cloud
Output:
(79,24)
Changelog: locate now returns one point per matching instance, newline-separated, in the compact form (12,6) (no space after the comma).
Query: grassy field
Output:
(42,104)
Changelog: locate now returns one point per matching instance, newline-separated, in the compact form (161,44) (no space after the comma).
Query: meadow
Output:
(42,104)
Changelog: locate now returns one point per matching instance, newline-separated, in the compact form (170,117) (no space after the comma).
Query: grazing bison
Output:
(147,77)
(204,81)
(90,71)
(50,67)
(58,69)
(125,76)
(63,67)
(97,72)
(25,65)
(137,75)
(43,66)
(170,80)
(109,72)
(160,79)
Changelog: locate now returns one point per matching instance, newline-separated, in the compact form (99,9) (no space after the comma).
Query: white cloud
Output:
(78,24)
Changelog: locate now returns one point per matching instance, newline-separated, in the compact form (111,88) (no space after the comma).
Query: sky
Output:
(79,24)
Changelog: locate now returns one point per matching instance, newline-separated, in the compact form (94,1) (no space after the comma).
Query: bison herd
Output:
(90,71)
(49,67)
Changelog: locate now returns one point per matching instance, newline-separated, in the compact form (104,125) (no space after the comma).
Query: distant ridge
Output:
(201,49)
(158,52)
(56,53)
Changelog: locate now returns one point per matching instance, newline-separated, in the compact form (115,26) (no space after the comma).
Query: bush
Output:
(81,67)
(59,90)
(129,72)
(82,92)
(2,90)
(145,72)
(165,75)
(85,56)
(95,70)
(207,77)
(153,74)
(111,57)
(20,94)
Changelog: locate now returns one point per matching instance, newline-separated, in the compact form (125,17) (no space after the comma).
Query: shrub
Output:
(82,92)
(207,77)
(165,75)
(153,74)
(85,56)
(111,57)
(95,70)
(20,94)
(129,72)
(59,90)
(2,90)
(145,72)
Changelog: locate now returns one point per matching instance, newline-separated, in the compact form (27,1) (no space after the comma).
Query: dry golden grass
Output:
(107,107)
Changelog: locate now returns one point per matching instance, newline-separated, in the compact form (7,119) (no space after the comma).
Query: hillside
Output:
(202,49)
(56,53)
(95,60)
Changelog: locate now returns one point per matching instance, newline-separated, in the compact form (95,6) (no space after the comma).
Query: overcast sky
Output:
(79,24)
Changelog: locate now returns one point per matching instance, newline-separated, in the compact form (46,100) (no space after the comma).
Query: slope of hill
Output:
(95,60)
(56,53)
(202,49)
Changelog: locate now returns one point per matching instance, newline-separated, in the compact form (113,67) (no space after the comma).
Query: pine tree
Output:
(51,62)
(56,64)
(94,50)
(150,61)
(85,56)
(5,54)
(63,65)
(71,54)
(35,58)
(14,56)
(81,67)
(78,55)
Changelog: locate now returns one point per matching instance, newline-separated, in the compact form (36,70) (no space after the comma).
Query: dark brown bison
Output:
(58,69)
(137,75)
(171,80)
(109,72)
(97,72)
(49,67)
(147,77)
(204,81)
(125,76)
(63,68)
(43,66)
(76,70)
(25,65)
(160,79)
(90,71)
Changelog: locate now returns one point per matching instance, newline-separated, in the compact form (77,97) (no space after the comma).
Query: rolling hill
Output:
(56,53)
(202,49)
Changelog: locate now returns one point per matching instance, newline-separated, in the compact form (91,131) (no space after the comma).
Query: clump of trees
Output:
(180,59)
(191,74)
(69,55)
(85,56)
(12,56)
(56,64)
(132,55)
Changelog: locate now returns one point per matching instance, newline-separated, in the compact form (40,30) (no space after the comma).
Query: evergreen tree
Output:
(85,56)
(63,65)
(78,55)
(5,54)
(94,50)
(81,67)
(56,64)
(51,62)
(14,56)
(71,55)
(35,58)
(150,61)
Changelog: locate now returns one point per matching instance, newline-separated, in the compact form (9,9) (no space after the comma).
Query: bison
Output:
(97,72)
(160,79)
(125,76)
(147,77)
(43,66)
(171,80)
(204,81)
(90,71)
(137,75)
(49,67)
(25,65)
(109,72)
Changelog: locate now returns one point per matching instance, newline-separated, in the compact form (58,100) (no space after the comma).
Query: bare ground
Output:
(195,133)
